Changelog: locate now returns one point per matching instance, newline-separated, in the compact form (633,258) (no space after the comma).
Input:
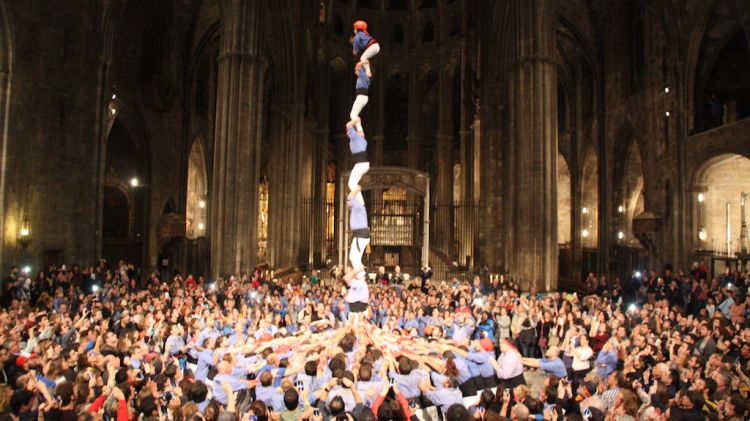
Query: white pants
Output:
(369,53)
(358,171)
(359,245)
(359,102)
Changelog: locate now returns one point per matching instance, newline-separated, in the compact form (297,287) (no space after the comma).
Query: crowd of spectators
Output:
(95,343)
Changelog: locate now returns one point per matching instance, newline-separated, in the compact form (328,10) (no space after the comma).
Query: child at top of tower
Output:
(365,43)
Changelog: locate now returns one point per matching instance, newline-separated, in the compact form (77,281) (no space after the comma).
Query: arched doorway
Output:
(124,223)
(629,204)
(117,212)
(720,183)
(633,204)
(564,201)
(564,219)
(589,199)
(197,193)
(589,212)
(197,255)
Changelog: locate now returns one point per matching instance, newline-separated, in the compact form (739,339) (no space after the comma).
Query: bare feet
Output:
(354,192)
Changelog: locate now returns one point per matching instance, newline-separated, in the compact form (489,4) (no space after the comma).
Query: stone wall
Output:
(51,149)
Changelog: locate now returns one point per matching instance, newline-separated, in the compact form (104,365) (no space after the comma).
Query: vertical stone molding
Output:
(533,126)
(234,208)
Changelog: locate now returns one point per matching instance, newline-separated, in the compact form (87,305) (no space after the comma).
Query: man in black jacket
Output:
(688,408)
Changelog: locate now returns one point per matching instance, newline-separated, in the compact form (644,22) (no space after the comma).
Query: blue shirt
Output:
(307,381)
(410,324)
(462,332)
(407,384)
(363,82)
(725,306)
(473,367)
(483,360)
(488,328)
(444,398)
(358,215)
(554,366)
(360,42)
(463,370)
(202,405)
(205,360)
(174,343)
(357,143)
(219,394)
(265,394)
(609,362)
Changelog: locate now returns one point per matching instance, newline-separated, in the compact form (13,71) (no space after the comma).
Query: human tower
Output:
(358,295)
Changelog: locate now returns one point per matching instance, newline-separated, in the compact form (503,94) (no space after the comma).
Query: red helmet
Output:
(361,25)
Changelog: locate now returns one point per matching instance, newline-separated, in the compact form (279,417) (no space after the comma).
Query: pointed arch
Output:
(723,179)
(720,30)
(589,198)
(564,200)
(197,191)
(632,188)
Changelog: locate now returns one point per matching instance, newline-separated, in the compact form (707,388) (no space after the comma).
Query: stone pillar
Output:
(533,104)
(466,215)
(575,166)
(412,136)
(284,181)
(376,138)
(320,160)
(234,194)
(442,221)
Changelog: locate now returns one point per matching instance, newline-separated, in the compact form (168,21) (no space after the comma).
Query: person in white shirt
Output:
(582,354)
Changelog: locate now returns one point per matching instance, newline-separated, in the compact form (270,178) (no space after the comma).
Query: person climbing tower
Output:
(363,42)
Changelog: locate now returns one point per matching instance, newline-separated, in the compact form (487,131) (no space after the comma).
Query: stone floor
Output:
(535,381)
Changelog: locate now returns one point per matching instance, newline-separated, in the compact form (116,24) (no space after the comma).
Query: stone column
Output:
(320,165)
(412,136)
(234,194)
(466,215)
(442,220)
(533,106)
(577,140)
(284,179)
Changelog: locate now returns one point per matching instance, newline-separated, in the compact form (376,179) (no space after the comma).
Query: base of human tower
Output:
(392,343)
